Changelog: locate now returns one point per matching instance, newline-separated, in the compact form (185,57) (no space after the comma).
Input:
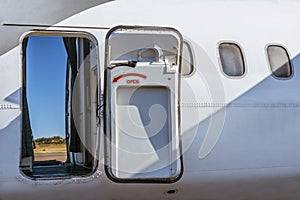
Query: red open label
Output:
(116,79)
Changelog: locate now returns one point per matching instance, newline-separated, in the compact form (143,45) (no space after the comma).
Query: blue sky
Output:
(46,75)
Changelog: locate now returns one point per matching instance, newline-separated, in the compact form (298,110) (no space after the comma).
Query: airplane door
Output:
(142,104)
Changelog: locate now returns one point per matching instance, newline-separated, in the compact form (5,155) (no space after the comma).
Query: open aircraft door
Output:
(142,113)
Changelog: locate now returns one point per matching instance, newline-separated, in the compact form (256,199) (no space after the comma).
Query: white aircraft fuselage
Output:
(228,136)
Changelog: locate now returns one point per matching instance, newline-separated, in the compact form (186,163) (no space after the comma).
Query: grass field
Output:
(50,148)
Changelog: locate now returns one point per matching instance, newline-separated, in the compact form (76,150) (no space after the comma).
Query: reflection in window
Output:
(232,60)
(279,61)
(59,103)
(187,60)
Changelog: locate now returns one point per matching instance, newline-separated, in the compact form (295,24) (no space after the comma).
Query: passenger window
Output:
(279,61)
(232,60)
(59,104)
(187,60)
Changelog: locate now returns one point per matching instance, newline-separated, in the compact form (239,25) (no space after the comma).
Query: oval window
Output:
(232,60)
(187,60)
(279,61)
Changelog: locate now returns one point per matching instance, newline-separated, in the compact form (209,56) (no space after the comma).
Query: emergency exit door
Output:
(142,104)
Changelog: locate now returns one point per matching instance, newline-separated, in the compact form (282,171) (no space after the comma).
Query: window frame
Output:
(242,54)
(269,65)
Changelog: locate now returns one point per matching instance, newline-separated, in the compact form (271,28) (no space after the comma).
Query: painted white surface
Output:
(255,155)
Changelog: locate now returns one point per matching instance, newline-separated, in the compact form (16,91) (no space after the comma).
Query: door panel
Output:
(142,94)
